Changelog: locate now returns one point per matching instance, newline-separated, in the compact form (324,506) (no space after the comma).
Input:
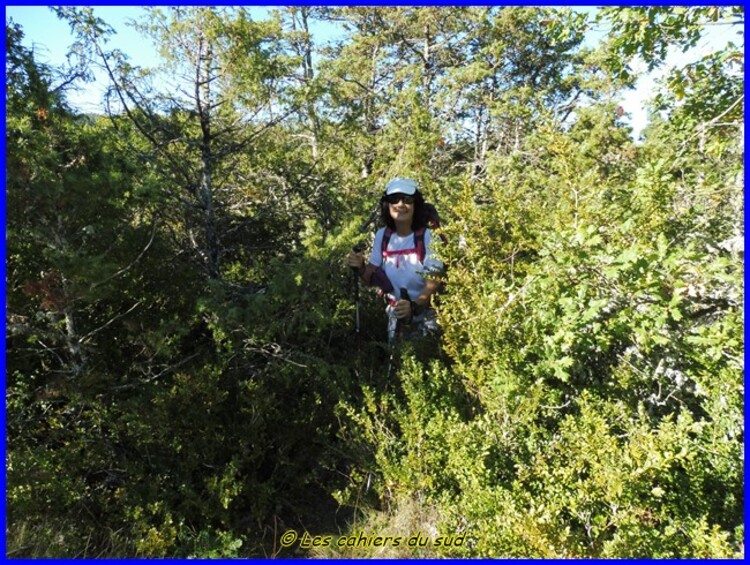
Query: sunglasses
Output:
(396,198)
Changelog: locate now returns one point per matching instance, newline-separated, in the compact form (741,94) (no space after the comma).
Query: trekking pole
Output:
(394,334)
(404,295)
(357,249)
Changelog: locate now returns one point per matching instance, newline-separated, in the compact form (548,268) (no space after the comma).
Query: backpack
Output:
(432,220)
(418,246)
(379,278)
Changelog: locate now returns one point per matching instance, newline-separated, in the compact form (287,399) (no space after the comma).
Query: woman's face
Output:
(401,207)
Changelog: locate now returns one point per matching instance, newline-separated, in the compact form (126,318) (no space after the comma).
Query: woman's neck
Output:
(403,228)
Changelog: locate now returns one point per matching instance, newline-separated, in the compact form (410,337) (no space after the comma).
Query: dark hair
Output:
(419,219)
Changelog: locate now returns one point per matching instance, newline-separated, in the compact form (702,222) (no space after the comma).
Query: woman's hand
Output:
(355,260)
(402,309)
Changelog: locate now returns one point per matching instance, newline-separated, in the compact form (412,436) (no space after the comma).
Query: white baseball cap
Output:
(401,185)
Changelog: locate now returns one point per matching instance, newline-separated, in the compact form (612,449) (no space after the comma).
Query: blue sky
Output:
(51,38)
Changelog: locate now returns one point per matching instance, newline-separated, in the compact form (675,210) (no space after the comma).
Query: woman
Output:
(401,259)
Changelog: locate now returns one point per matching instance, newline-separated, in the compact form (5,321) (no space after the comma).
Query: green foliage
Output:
(586,276)
(595,428)
(183,378)
(650,31)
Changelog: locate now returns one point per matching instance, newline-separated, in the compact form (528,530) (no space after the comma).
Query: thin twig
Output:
(124,269)
(110,322)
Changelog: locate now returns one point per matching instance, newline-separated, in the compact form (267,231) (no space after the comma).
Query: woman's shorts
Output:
(421,326)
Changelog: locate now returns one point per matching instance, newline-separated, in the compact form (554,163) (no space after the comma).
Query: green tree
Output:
(222,103)
(589,282)
(182,374)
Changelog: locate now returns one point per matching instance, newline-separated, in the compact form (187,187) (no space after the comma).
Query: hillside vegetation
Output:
(183,376)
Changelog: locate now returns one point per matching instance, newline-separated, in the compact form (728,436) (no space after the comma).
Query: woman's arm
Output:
(425,297)
(357,262)
(365,272)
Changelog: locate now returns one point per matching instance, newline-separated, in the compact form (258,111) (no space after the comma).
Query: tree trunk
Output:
(369,117)
(427,73)
(312,116)
(204,106)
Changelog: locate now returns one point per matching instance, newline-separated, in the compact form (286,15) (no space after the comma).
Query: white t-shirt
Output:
(405,271)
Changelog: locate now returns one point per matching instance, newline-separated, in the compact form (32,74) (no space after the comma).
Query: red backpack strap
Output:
(419,244)
(384,243)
